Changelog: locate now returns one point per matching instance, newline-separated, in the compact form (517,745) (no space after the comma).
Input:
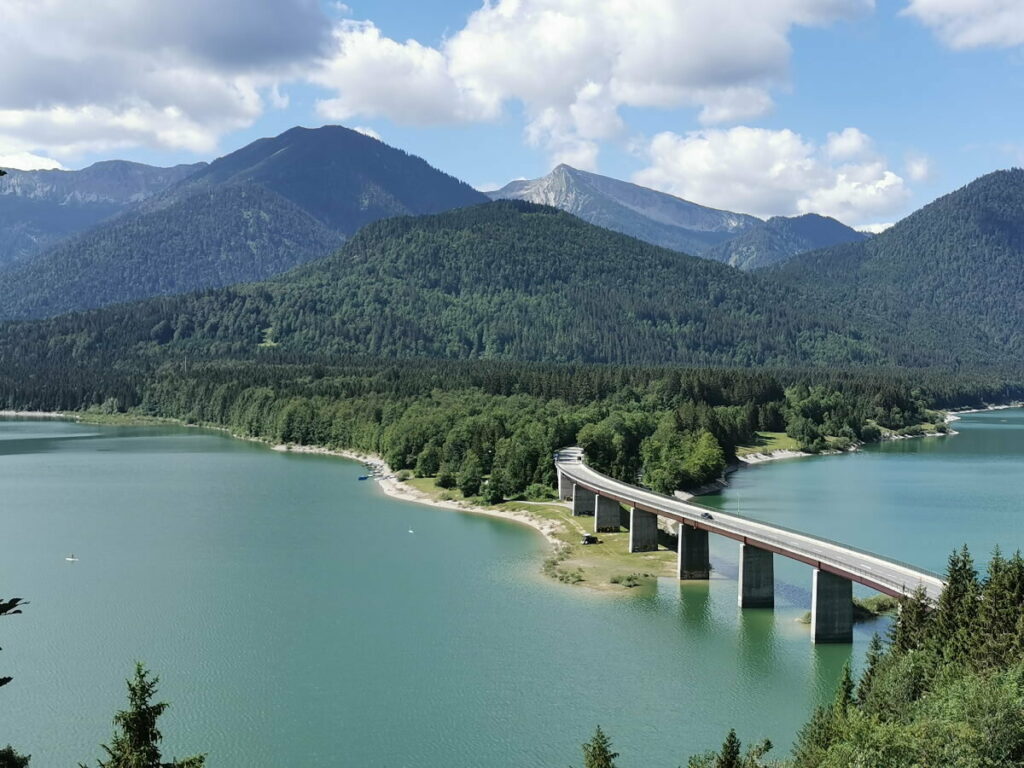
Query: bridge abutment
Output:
(643,531)
(831,608)
(582,501)
(693,562)
(757,577)
(606,515)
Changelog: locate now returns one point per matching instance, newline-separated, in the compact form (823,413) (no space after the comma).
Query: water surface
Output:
(296,621)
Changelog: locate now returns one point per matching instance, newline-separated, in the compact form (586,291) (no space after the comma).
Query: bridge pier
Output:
(582,501)
(643,531)
(564,487)
(757,577)
(694,562)
(606,515)
(831,608)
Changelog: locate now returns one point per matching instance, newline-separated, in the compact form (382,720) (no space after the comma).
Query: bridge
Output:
(836,566)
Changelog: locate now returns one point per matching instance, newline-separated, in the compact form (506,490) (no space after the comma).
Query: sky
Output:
(859,109)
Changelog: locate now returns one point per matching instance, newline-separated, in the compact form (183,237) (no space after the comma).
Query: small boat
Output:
(411,531)
(71,558)
(364,477)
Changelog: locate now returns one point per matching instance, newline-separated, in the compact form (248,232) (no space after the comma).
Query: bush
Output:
(403,475)
(540,492)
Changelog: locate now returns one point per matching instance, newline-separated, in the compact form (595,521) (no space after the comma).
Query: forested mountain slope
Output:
(223,236)
(647,214)
(780,238)
(506,280)
(249,215)
(953,270)
(339,176)
(39,208)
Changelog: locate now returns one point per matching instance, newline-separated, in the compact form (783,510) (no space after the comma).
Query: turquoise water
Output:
(295,621)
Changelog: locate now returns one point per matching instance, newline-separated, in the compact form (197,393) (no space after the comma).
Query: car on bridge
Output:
(706,516)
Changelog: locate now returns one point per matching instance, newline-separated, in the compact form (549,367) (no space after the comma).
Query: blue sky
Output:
(855,108)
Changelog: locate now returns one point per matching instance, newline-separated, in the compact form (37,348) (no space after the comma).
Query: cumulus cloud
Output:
(963,24)
(91,76)
(768,173)
(573,64)
(26,161)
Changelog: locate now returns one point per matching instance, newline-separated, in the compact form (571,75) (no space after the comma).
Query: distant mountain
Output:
(226,235)
(256,212)
(654,217)
(341,177)
(780,238)
(950,276)
(39,208)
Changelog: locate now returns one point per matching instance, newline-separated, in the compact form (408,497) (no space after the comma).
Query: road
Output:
(890,577)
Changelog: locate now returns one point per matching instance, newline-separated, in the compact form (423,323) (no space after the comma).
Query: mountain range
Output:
(780,238)
(39,208)
(251,214)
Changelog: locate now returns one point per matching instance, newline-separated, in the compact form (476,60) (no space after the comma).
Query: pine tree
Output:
(844,694)
(136,742)
(953,637)
(11,759)
(729,757)
(872,659)
(597,753)
(913,625)
(10,608)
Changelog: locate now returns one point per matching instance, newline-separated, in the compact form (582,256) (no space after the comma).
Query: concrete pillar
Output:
(582,501)
(694,562)
(564,487)
(606,515)
(831,608)
(643,531)
(757,577)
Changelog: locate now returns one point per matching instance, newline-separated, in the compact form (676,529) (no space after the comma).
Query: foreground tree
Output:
(11,759)
(136,742)
(597,753)
(8,757)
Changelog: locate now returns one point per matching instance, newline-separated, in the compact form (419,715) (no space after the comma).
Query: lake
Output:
(299,617)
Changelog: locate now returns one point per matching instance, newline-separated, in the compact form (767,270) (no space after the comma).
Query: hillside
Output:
(507,280)
(654,217)
(253,213)
(223,236)
(951,273)
(341,177)
(39,208)
(780,238)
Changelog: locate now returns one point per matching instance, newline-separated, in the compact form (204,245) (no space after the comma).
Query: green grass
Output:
(593,565)
(767,442)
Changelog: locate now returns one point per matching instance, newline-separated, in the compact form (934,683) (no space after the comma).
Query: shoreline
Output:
(396,489)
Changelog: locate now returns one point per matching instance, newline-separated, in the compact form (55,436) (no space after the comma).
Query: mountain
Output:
(39,208)
(341,177)
(261,210)
(950,275)
(226,235)
(506,280)
(654,217)
(780,238)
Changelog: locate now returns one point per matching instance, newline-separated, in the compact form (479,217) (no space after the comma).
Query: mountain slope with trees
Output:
(40,208)
(506,280)
(253,213)
(223,236)
(780,238)
(951,273)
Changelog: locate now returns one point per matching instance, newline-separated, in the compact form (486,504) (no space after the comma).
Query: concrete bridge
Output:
(836,566)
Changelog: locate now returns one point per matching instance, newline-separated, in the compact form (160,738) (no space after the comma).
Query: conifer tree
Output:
(871,662)
(597,753)
(729,757)
(136,742)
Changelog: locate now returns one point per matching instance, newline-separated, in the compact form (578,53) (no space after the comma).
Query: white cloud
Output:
(26,161)
(573,64)
(918,167)
(93,76)
(768,173)
(367,131)
(964,24)
(877,228)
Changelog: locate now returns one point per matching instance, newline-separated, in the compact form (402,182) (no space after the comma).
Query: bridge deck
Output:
(879,573)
